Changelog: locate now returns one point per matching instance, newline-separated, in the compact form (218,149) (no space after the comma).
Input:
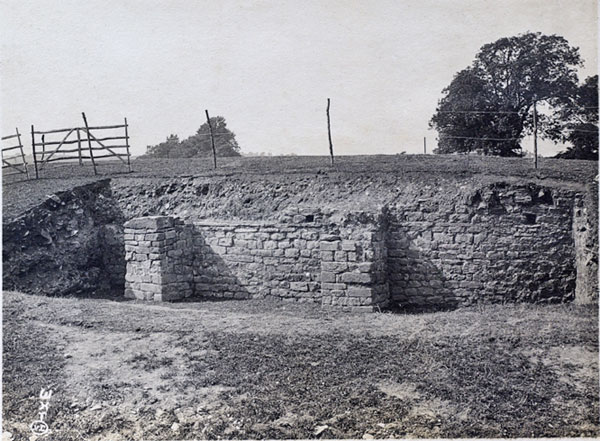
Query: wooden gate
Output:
(80,144)
(14,162)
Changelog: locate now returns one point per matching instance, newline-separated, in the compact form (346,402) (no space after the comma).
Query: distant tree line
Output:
(198,144)
(488,107)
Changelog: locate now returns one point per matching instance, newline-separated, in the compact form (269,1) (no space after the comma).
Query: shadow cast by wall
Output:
(214,277)
(416,280)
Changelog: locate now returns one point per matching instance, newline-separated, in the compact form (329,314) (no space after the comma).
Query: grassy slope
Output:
(124,370)
(19,196)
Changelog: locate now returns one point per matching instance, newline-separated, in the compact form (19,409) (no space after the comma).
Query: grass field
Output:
(249,369)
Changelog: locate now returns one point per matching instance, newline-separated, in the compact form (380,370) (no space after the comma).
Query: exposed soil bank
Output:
(63,246)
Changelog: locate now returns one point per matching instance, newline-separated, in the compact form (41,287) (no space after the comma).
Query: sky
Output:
(268,67)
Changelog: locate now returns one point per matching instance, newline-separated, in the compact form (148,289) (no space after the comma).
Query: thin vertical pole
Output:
(127,144)
(33,150)
(79,147)
(89,138)
(329,131)
(22,153)
(535,153)
(424,145)
(43,147)
(212,140)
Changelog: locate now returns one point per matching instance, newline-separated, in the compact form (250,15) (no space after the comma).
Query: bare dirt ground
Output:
(255,369)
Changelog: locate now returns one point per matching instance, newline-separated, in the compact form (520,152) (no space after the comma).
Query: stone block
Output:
(225,241)
(151,223)
(270,245)
(365,267)
(292,252)
(326,256)
(356,278)
(348,245)
(335,267)
(359,291)
(299,286)
(340,256)
(328,277)
(330,246)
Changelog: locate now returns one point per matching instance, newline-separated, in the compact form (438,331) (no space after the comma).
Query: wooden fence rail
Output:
(79,143)
(14,163)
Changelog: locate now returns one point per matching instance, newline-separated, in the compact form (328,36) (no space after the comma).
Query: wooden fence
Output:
(80,144)
(14,161)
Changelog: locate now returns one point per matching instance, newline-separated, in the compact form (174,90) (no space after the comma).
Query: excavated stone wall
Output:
(257,259)
(502,243)
(413,246)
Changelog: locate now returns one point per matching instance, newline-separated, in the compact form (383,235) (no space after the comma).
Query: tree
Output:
(199,144)
(225,143)
(163,149)
(579,122)
(488,106)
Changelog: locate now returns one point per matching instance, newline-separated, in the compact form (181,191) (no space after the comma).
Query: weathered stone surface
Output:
(150,223)
(160,267)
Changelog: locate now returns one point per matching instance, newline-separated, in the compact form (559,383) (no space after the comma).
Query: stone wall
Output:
(159,256)
(500,244)
(254,259)
(585,234)
(354,268)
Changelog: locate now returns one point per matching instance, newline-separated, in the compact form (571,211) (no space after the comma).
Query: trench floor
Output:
(125,370)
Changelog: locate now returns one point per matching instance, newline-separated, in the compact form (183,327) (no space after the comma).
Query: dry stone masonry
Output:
(158,252)
(354,269)
(256,259)
(500,243)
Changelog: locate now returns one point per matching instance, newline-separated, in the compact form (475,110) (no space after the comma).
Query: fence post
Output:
(329,132)
(34,155)
(89,138)
(22,153)
(535,155)
(79,147)
(43,147)
(127,144)
(212,140)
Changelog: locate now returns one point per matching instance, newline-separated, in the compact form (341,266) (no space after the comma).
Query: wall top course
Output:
(252,224)
(151,222)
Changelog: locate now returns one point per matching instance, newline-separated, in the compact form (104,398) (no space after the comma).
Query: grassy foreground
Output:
(253,369)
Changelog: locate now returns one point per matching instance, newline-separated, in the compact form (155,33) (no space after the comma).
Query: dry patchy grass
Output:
(255,369)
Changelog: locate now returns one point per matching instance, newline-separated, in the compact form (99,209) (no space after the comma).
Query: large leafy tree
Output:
(488,106)
(578,122)
(199,144)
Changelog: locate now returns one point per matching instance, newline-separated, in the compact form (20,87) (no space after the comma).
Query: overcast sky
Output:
(266,66)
